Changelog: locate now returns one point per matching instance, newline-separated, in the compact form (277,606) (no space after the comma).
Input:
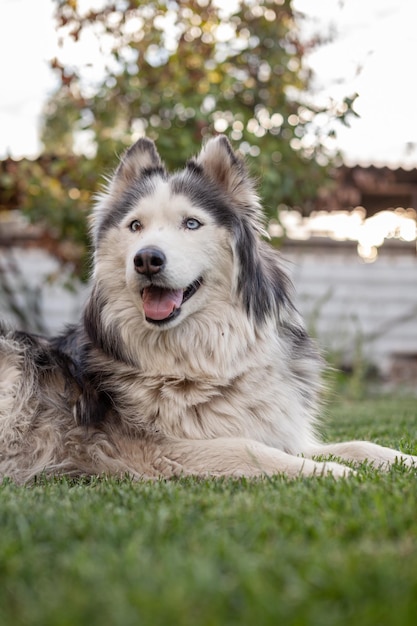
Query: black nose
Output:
(149,261)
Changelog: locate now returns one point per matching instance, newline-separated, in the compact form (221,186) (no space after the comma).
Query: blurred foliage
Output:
(176,72)
(54,193)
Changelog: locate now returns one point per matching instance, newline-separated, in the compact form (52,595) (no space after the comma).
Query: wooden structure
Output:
(374,188)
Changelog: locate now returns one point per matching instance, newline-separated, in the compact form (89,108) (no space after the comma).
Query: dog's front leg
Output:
(240,457)
(360,451)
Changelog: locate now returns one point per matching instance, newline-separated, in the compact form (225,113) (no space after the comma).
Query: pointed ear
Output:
(221,164)
(138,158)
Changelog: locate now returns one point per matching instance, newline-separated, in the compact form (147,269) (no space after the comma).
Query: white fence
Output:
(40,282)
(352,306)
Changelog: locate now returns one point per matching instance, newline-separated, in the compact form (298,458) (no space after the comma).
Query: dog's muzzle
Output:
(160,304)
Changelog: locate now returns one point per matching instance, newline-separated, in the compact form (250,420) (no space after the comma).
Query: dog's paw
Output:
(408,460)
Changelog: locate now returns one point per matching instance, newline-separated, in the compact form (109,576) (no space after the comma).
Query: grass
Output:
(192,552)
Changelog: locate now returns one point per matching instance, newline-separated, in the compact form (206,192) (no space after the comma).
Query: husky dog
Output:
(190,357)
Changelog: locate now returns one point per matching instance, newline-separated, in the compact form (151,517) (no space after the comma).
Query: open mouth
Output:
(162,305)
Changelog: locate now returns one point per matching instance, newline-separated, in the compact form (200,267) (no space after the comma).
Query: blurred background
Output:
(318,96)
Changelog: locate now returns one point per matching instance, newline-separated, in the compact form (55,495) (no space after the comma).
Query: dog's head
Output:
(179,242)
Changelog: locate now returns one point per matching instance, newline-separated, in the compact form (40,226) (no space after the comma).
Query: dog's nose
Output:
(149,261)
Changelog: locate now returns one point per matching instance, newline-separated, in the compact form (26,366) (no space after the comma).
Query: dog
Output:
(190,357)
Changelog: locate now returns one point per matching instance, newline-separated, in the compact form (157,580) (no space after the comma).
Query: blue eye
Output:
(192,223)
(135,226)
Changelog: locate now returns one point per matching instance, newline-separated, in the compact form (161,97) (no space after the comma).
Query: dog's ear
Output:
(228,171)
(138,159)
(223,166)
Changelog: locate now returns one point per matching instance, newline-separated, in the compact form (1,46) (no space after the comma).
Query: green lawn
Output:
(220,552)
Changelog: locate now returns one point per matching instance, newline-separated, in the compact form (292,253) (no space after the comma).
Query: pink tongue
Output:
(159,303)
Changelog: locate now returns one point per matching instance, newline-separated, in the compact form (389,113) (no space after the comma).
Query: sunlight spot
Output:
(270,15)
(208,105)
(225,32)
(277,120)
(220,124)
(369,233)
(367,253)
(74,193)
(275,229)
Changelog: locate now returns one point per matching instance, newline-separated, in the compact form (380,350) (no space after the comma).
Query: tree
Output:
(179,71)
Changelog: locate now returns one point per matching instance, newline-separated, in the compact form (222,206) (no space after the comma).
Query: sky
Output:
(373,53)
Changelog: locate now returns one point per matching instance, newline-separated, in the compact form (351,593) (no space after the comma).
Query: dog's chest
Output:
(256,395)
(178,406)
(203,408)
(170,397)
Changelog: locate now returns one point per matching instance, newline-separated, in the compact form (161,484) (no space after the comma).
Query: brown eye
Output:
(135,226)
